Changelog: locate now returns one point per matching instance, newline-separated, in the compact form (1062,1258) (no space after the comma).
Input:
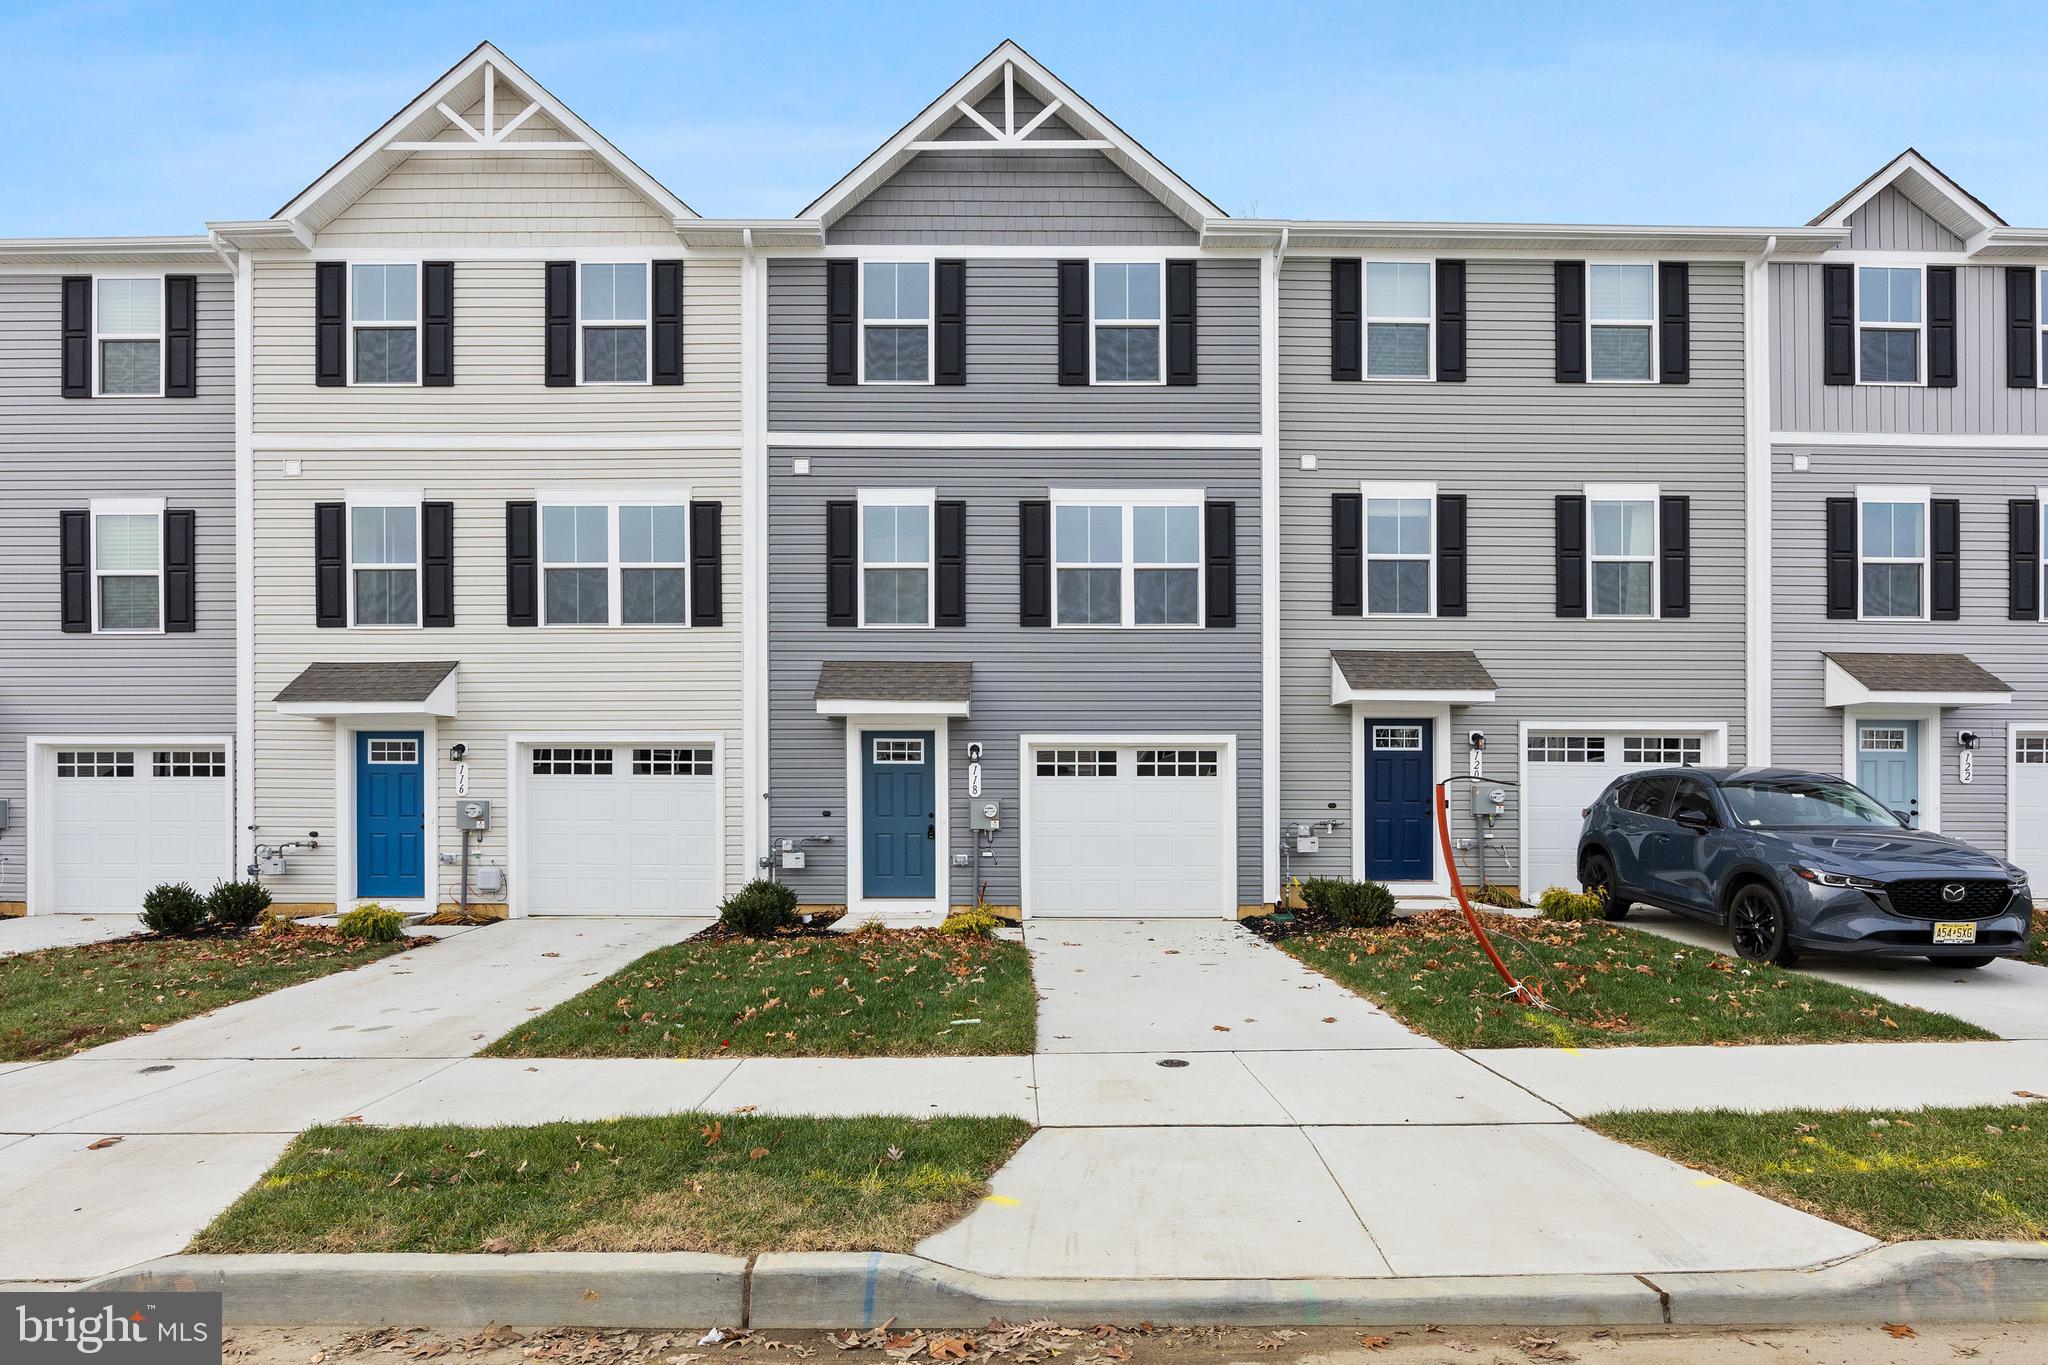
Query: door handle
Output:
(928,832)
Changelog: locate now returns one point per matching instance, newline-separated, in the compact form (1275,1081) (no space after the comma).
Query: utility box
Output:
(986,815)
(1489,802)
(490,880)
(472,815)
(271,865)
(1308,843)
(793,860)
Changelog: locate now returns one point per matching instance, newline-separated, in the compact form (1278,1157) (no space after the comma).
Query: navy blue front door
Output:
(898,838)
(391,820)
(1400,822)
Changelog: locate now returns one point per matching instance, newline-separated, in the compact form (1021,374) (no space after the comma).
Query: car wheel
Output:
(1598,878)
(1966,963)
(1758,927)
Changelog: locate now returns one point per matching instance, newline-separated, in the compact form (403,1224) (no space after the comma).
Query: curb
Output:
(1907,1282)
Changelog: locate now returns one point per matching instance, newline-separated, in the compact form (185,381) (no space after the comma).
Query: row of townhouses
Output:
(1010,524)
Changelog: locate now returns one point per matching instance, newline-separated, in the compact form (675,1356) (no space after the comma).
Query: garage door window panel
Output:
(672,762)
(896,563)
(384,564)
(572,762)
(188,763)
(1076,763)
(1567,748)
(1893,557)
(2030,749)
(1624,558)
(1177,762)
(95,763)
(1661,750)
(128,565)
(1400,550)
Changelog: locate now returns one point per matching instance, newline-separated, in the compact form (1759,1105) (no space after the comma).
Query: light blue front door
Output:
(391,819)
(898,837)
(1888,764)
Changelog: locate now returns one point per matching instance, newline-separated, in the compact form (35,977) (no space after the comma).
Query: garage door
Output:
(1130,831)
(2029,797)
(1566,770)
(123,820)
(621,830)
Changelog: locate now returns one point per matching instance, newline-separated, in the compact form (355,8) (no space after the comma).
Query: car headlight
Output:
(1837,879)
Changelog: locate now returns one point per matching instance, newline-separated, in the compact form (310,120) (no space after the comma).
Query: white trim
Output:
(860,314)
(2013,734)
(1597,493)
(1918,329)
(1017,440)
(160,336)
(926,498)
(1394,492)
(1894,440)
(754,705)
(2040,327)
(1916,178)
(1427,321)
(427,441)
(124,507)
(860,706)
(1653,322)
(1095,324)
(1928,739)
(1128,502)
(348,726)
(614,565)
(1841,689)
(1757,493)
(245,564)
(417,327)
(387,502)
(1436,715)
(1269,575)
(857,902)
(646,378)
(1923,497)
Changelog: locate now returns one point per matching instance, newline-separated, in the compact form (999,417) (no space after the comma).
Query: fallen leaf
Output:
(394,1180)
(713,1132)
(757,1154)
(952,1348)
(1220,1028)
(353,1118)
(2029,1095)
(499,1246)
(1374,1343)
(102,1143)
(1899,1331)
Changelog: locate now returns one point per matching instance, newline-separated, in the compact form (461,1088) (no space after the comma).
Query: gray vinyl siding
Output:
(58,454)
(1807,733)
(1013,362)
(1510,439)
(1039,680)
(1892,222)
(1077,197)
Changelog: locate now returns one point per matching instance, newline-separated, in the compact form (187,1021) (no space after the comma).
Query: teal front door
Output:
(899,833)
(1888,764)
(391,815)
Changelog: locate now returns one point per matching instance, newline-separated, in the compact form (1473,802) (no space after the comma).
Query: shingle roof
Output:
(893,680)
(405,680)
(1920,673)
(1413,670)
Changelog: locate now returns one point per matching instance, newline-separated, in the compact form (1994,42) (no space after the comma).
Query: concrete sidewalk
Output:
(33,933)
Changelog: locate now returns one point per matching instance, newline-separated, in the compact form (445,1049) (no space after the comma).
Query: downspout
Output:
(1757,483)
(1270,890)
(245,561)
(753,566)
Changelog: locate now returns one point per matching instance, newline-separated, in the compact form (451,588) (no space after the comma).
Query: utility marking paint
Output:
(1005,1200)
(1706,1182)
(867,1309)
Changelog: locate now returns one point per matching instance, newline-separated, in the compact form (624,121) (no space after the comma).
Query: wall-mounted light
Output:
(1966,739)
(1477,739)
(456,752)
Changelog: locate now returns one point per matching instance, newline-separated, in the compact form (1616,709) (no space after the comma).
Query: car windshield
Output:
(1803,803)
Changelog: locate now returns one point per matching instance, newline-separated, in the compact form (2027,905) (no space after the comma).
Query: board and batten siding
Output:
(1510,438)
(58,454)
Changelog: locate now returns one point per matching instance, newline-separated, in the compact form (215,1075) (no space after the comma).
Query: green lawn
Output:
(1895,1174)
(1611,986)
(736,1184)
(63,1000)
(877,993)
(2037,946)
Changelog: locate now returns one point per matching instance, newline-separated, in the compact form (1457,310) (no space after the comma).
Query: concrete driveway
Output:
(33,933)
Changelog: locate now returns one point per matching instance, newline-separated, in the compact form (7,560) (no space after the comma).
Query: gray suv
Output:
(1789,861)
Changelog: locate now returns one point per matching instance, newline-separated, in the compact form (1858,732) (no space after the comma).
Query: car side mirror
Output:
(1903,818)
(1698,821)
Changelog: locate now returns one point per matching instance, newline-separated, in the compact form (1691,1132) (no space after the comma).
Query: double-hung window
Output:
(2041,339)
(1621,323)
(1892,552)
(896,558)
(1400,549)
(384,324)
(384,561)
(1397,320)
(1623,562)
(1135,563)
(612,306)
(613,564)
(1889,319)
(128,336)
(896,322)
(1129,321)
(128,566)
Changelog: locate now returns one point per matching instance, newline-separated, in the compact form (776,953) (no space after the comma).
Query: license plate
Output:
(1955,931)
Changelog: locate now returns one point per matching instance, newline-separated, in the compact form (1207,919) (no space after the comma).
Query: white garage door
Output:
(1130,831)
(2029,797)
(124,820)
(621,829)
(1567,769)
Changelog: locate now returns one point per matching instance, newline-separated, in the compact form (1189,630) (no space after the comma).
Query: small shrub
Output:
(975,923)
(1500,897)
(173,908)
(1561,903)
(759,908)
(1356,905)
(372,924)
(237,905)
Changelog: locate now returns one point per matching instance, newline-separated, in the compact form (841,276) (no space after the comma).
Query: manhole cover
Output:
(1172,1061)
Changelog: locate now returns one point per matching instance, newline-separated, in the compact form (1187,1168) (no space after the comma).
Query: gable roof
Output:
(1007,68)
(1914,176)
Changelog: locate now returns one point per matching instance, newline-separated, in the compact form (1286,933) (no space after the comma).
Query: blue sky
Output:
(144,118)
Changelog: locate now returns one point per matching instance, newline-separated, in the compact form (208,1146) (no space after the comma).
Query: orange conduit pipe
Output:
(1519,991)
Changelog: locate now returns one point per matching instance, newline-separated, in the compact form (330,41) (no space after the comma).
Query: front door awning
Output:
(1912,680)
(1439,677)
(885,687)
(406,687)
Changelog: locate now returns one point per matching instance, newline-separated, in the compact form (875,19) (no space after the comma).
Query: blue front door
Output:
(898,838)
(391,820)
(1400,823)
(1888,764)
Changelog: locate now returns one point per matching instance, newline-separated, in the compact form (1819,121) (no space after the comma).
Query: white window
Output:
(1397,737)
(1892,553)
(1398,320)
(1128,321)
(188,763)
(2041,341)
(612,307)
(1127,564)
(95,763)
(394,751)
(384,323)
(2030,749)
(1888,324)
(1400,549)
(1663,749)
(384,563)
(1567,748)
(568,762)
(1623,562)
(127,567)
(617,564)
(1621,323)
(1177,762)
(1076,763)
(672,762)
(128,336)
(896,322)
(909,751)
(1881,739)
(896,559)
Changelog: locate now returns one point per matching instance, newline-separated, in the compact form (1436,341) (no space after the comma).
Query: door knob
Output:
(928,832)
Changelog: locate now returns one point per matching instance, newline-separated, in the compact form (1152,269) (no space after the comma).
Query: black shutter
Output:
(842,563)
(437,564)
(707,564)
(2023,554)
(1219,553)
(330,324)
(1347,336)
(74,558)
(1941,326)
(1674,324)
(181,576)
(668,322)
(181,336)
(559,328)
(2022,339)
(949,558)
(1450,322)
(1180,324)
(1034,563)
(1838,321)
(949,324)
(1570,307)
(437,324)
(1347,554)
(522,564)
(330,565)
(1450,554)
(76,303)
(841,329)
(1674,552)
(1841,558)
(1945,563)
(1073,324)
(1571,554)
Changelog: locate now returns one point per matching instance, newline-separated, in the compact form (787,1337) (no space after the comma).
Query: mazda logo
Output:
(1954,892)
